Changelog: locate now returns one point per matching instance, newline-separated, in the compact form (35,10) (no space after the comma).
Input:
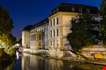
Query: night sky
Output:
(26,12)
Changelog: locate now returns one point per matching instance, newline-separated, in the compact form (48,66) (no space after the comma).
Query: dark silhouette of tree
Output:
(103,23)
(85,32)
(6,23)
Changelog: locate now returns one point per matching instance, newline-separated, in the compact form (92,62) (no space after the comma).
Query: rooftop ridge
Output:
(67,7)
(76,4)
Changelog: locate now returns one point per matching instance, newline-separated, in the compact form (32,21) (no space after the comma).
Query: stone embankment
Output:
(44,53)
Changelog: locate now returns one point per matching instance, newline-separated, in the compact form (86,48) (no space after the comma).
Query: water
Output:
(32,62)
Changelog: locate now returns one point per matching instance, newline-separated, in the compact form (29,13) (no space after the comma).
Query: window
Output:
(54,43)
(73,9)
(51,33)
(50,22)
(57,32)
(54,33)
(51,43)
(32,37)
(87,10)
(57,44)
(57,20)
(80,10)
(40,36)
(35,37)
(54,21)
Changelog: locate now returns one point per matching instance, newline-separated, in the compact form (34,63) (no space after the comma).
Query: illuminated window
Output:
(32,37)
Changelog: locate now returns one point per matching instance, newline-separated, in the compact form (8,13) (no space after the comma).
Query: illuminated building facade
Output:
(51,33)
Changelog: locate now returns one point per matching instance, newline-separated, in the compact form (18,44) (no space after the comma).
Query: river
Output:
(33,62)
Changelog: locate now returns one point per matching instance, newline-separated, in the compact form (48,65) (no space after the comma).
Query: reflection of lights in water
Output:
(17,44)
(17,55)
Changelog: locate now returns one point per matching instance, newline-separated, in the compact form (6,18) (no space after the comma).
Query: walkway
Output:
(102,62)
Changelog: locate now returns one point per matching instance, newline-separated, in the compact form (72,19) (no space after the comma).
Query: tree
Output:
(6,25)
(103,23)
(85,32)
(7,40)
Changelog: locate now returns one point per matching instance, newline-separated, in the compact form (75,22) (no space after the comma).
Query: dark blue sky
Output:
(26,12)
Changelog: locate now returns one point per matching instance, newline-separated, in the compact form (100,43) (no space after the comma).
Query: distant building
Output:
(35,37)
(26,36)
(51,33)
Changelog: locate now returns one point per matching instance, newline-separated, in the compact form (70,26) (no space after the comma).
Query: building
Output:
(35,37)
(51,33)
(26,36)
(38,35)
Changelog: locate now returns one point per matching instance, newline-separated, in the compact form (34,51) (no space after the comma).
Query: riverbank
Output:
(5,60)
(43,63)
(72,59)
(7,54)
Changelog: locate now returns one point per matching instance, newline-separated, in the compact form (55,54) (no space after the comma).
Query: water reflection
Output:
(5,65)
(55,64)
(32,62)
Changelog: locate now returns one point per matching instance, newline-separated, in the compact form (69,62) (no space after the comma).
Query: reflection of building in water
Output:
(55,64)
(32,62)
(51,33)
(25,63)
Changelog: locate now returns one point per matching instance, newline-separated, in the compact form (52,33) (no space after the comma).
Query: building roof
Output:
(66,7)
(69,7)
(29,27)
(43,22)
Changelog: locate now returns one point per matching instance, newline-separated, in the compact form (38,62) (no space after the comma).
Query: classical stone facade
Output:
(51,33)
(35,37)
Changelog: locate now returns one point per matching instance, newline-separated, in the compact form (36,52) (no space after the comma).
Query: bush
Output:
(10,51)
(1,52)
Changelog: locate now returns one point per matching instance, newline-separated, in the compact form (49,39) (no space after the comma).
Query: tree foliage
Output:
(6,25)
(103,23)
(7,40)
(84,32)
